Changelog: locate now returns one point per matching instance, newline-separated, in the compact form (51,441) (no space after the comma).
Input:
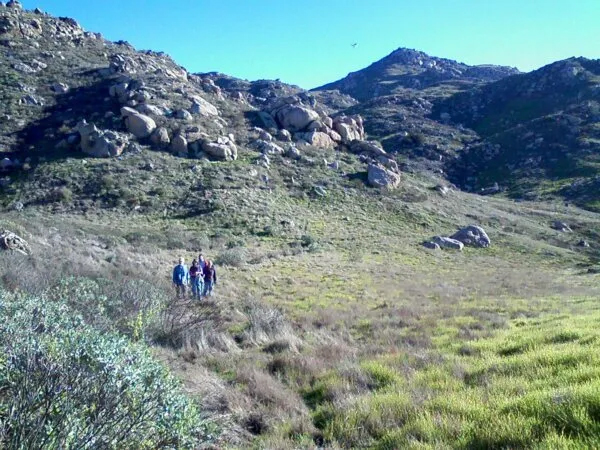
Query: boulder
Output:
(431,245)
(373,148)
(473,236)
(139,125)
(583,243)
(184,115)
(349,128)
(224,148)
(145,108)
(446,242)
(160,137)
(315,125)
(14,4)
(100,143)
(60,88)
(317,139)
(267,120)
(179,145)
(381,177)
(561,226)
(293,152)
(202,107)
(295,117)
(267,147)
(334,135)
(284,135)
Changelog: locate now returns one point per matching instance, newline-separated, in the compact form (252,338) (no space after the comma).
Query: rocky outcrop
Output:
(224,148)
(138,124)
(160,137)
(296,117)
(100,143)
(473,236)
(379,176)
(316,139)
(446,242)
(179,145)
(203,107)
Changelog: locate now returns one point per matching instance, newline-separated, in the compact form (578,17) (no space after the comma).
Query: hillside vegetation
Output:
(332,325)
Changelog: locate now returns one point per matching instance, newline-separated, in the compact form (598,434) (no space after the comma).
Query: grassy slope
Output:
(385,338)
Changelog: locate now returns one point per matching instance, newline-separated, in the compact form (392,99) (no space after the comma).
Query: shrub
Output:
(235,257)
(66,385)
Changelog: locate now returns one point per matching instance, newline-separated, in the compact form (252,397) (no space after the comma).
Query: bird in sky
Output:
(354,45)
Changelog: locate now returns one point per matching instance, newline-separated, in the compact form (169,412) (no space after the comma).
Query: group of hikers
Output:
(201,276)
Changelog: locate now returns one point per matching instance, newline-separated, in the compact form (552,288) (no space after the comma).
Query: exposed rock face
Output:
(203,107)
(100,143)
(160,137)
(349,128)
(446,242)
(139,125)
(316,139)
(224,148)
(179,145)
(267,147)
(381,177)
(561,226)
(370,147)
(473,236)
(284,135)
(295,117)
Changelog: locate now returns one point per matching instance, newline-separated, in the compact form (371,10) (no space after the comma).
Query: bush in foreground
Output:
(66,385)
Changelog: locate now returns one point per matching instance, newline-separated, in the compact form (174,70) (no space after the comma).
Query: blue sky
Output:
(308,42)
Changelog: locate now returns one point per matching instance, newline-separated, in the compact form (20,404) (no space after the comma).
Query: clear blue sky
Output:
(308,42)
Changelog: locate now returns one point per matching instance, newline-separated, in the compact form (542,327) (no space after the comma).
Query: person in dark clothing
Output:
(196,280)
(210,278)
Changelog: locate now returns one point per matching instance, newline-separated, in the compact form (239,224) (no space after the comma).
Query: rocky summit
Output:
(407,257)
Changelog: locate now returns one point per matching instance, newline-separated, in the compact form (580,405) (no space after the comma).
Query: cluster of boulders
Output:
(472,236)
(300,119)
(299,115)
(142,120)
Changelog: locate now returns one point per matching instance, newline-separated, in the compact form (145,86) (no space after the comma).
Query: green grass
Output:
(535,384)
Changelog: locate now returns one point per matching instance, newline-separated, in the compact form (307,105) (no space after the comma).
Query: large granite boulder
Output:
(379,176)
(100,143)
(140,125)
(296,117)
(316,139)
(473,236)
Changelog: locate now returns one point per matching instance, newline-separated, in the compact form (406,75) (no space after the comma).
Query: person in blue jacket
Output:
(181,278)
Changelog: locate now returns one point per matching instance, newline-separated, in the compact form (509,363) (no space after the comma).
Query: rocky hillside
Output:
(68,93)
(411,69)
(540,132)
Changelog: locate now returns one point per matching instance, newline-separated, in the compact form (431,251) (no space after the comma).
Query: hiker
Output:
(210,278)
(196,280)
(201,260)
(181,278)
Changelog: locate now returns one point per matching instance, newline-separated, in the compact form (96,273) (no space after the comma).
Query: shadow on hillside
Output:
(87,102)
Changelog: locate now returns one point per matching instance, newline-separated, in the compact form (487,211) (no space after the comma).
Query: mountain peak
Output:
(406,68)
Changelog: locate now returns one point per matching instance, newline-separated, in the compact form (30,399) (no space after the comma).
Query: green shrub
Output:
(66,385)
(235,257)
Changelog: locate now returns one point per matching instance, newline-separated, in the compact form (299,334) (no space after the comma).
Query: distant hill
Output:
(540,132)
(411,69)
